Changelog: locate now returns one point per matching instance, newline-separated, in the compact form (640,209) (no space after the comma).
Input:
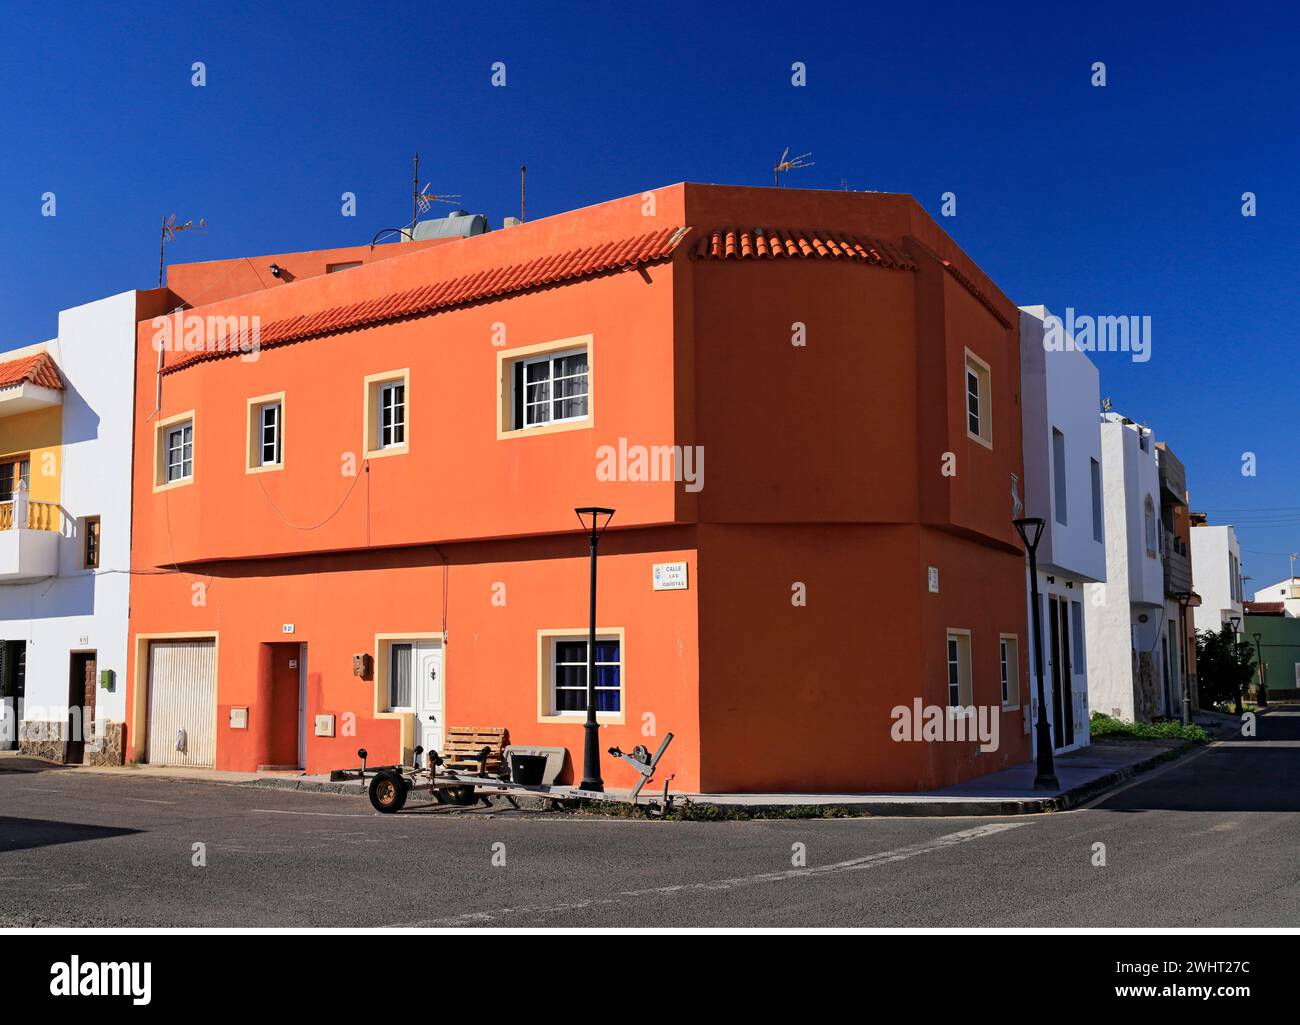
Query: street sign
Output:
(670,576)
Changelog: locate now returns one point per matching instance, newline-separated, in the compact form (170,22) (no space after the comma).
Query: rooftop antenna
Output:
(170,229)
(789,163)
(523,192)
(422,198)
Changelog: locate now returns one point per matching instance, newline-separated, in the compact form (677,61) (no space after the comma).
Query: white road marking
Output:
(854,864)
(146,800)
(326,814)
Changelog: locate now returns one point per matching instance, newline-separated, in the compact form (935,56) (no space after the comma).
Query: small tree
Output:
(1224,666)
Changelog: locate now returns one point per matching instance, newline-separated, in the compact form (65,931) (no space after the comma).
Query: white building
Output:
(1216,557)
(1125,617)
(66,409)
(1060,397)
(1286,591)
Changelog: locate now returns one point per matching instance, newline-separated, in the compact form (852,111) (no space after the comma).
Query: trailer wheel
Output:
(388,792)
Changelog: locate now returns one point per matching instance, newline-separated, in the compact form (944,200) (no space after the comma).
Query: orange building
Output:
(363,530)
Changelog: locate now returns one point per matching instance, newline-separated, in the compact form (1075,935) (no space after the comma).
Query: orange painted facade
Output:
(824,385)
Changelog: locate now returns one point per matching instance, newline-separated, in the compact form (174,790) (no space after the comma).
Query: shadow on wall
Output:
(80,421)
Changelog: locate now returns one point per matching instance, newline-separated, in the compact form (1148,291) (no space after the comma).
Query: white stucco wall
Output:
(1212,575)
(1061,390)
(82,609)
(1282,591)
(1134,585)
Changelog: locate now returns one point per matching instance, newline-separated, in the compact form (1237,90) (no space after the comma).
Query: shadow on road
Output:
(1259,774)
(25,834)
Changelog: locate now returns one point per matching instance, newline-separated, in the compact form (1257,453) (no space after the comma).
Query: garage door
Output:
(182,696)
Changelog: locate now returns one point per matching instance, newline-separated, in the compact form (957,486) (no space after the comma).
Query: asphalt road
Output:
(1212,840)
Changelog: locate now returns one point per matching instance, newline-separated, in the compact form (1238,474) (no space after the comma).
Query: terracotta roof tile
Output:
(38,369)
(772,243)
(486,284)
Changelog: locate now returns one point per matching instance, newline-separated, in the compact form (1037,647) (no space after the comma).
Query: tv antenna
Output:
(422,198)
(170,229)
(789,163)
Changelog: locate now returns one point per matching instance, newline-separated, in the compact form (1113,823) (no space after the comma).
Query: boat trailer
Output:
(388,786)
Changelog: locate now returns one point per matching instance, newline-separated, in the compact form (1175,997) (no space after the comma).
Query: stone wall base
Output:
(41,739)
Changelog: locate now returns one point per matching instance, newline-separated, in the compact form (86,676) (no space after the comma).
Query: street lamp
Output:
(1261,698)
(1030,530)
(1236,625)
(1185,599)
(591,730)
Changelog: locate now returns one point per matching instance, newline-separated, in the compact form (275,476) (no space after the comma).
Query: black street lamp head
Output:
(1236,623)
(1030,529)
(599,519)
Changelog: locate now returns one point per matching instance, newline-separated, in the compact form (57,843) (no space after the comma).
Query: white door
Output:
(427,697)
(182,703)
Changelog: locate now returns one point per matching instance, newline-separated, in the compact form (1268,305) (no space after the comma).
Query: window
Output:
(545,388)
(334,268)
(1009,667)
(1098,530)
(569,676)
(12,473)
(1076,635)
(959,683)
(266,432)
(173,451)
(180,452)
(90,542)
(401,662)
(392,415)
(1058,476)
(388,426)
(979,410)
(552,389)
(1153,539)
(562,675)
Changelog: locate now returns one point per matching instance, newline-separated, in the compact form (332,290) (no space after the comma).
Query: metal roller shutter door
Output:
(182,696)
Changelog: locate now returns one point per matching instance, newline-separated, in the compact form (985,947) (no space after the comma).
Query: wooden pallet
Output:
(463,747)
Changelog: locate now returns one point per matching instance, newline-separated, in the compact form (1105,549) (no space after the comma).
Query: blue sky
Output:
(1119,200)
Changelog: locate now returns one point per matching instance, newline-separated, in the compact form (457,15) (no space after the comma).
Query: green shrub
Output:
(1104,726)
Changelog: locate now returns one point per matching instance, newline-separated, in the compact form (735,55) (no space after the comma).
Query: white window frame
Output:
(1009,669)
(387,399)
(1150,530)
(958,641)
(983,396)
(390,675)
(184,465)
(548,642)
(549,360)
(276,427)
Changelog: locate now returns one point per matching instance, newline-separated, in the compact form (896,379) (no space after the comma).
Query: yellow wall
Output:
(38,434)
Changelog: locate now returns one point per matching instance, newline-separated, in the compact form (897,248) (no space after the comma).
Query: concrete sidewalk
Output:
(1084,775)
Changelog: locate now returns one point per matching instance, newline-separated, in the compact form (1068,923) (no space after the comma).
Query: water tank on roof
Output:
(457,224)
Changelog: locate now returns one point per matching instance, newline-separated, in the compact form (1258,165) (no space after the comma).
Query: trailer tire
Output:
(388,792)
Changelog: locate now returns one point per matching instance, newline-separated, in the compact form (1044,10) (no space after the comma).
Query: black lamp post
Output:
(1235,621)
(1262,698)
(599,519)
(1184,599)
(1030,530)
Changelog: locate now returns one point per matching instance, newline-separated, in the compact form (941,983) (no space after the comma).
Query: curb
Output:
(1065,801)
